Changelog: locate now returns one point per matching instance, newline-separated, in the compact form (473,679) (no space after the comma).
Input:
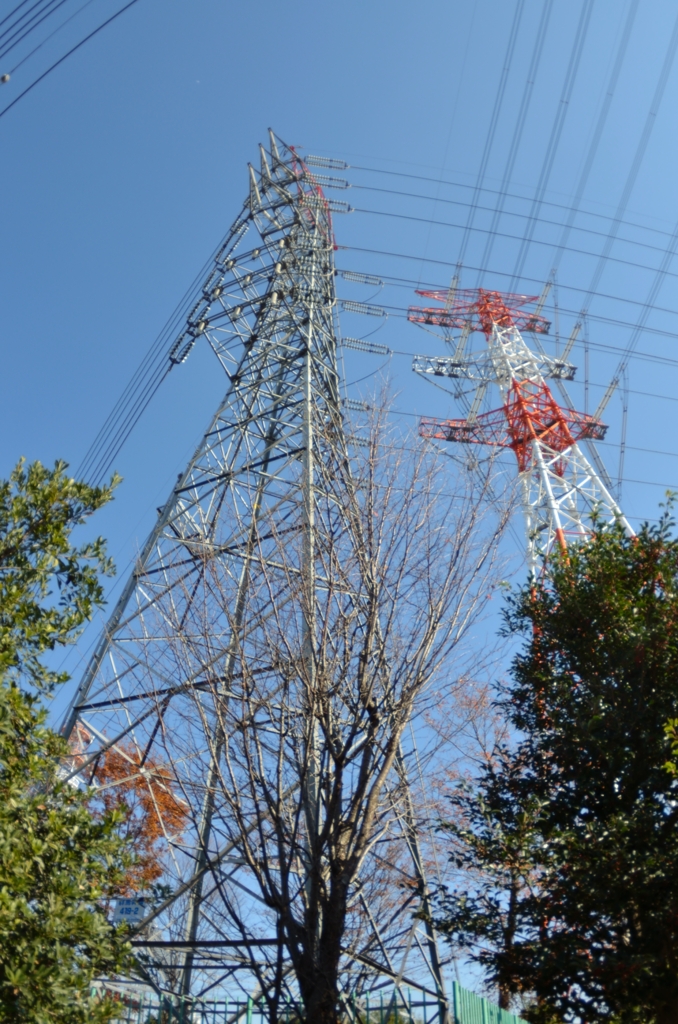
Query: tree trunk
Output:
(322,1006)
(320,993)
(320,986)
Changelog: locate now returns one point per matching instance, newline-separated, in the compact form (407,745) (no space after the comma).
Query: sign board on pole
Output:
(130,910)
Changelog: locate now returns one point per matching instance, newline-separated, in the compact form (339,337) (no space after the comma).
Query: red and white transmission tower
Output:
(560,487)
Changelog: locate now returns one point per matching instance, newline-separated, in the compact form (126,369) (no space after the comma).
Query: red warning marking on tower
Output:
(530,413)
(560,487)
(479,309)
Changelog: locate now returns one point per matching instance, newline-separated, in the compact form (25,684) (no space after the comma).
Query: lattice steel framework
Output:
(560,487)
(171,653)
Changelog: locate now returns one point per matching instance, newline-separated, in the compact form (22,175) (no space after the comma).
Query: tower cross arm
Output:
(480,366)
(488,428)
(530,415)
(481,309)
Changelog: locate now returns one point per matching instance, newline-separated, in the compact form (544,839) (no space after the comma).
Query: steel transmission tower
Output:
(171,653)
(560,488)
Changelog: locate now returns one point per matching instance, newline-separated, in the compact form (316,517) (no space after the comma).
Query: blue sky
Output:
(122,170)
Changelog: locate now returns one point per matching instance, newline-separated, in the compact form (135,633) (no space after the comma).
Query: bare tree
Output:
(354,614)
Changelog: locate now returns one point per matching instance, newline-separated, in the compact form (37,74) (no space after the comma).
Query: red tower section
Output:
(560,487)
(530,412)
(482,310)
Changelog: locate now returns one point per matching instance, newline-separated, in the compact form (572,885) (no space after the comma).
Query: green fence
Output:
(403,1007)
(468,1008)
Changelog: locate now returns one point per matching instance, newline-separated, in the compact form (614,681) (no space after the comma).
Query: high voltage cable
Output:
(146,384)
(6,47)
(150,386)
(598,129)
(459,85)
(535,210)
(649,356)
(154,368)
(408,354)
(490,191)
(22,18)
(637,160)
(145,381)
(556,134)
(513,213)
(499,234)
(66,56)
(12,13)
(494,120)
(620,372)
(9,41)
(407,282)
(402,311)
(640,326)
(607,444)
(102,467)
(647,306)
(525,101)
(51,34)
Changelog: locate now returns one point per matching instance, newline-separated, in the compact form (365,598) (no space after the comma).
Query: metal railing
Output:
(404,1007)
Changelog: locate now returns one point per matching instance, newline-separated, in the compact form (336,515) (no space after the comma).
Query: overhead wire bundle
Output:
(24,23)
(548,233)
(493,214)
(141,388)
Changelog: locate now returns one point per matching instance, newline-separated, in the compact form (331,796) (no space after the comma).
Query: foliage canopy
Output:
(59,861)
(575,830)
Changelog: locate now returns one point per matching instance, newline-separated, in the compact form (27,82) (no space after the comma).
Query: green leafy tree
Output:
(590,698)
(59,860)
(493,840)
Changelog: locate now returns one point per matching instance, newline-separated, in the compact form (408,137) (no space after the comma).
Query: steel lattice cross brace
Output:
(560,488)
(186,688)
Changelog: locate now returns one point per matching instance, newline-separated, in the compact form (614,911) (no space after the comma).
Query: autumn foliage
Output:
(153,812)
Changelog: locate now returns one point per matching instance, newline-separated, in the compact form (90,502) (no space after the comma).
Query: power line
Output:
(517,215)
(405,353)
(26,30)
(474,10)
(155,367)
(554,139)
(402,311)
(13,12)
(66,56)
(534,281)
(411,283)
(489,191)
(51,34)
(598,129)
(607,444)
(22,17)
(145,381)
(644,314)
(494,120)
(550,245)
(525,101)
(635,164)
